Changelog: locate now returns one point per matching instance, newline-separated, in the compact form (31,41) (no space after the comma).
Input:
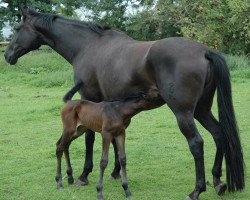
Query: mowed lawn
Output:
(159,164)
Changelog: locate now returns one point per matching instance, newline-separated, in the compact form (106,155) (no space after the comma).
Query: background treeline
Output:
(220,24)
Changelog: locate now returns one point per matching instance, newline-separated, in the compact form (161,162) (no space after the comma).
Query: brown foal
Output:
(110,119)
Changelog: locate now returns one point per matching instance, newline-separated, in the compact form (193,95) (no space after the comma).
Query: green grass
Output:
(160,166)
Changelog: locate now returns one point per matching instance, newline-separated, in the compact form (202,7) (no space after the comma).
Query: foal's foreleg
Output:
(120,141)
(106,139)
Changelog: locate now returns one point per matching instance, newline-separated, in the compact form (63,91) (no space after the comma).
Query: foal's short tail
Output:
(68,96)
(227,121)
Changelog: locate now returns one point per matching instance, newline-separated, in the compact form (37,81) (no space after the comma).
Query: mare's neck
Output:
(67,39)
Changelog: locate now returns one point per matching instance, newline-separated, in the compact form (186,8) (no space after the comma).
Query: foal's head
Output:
(26,37)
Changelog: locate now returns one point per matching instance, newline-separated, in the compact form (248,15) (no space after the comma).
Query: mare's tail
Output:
(227,121)
(68,96)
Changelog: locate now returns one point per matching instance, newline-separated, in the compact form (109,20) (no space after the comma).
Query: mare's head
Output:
(26,38)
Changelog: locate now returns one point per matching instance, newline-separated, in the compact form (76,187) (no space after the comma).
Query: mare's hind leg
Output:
(120,141)
(208,121)
(181,92)
(195,142)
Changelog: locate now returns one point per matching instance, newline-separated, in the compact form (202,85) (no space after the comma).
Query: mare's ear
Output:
(23,12)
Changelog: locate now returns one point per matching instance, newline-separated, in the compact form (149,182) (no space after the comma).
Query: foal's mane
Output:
(46,20)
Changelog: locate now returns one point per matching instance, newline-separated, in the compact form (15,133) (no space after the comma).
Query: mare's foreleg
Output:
(120,141)
(88,166)
(106,139)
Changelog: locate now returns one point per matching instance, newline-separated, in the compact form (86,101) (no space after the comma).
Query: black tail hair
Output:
(227,121)
(68,96)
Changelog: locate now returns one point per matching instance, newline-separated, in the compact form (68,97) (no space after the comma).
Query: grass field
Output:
(159,166)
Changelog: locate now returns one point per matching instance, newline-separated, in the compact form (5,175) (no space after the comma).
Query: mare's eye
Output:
(17,28)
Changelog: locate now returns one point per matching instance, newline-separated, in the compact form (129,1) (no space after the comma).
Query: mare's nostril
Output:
(7,57)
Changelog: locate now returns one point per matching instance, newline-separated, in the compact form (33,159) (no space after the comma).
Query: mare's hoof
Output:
(114,176)
(81,182)
(128,193)
(59,186)
(188,198)
(99,197)
(220,189)
(70,180)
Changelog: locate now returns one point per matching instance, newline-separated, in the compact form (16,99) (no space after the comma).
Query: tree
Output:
(105,12)
(153,22)
(9,9)
(223,25)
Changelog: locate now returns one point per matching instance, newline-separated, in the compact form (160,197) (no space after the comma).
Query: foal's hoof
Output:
(81,182)
(70,180)
(220,189)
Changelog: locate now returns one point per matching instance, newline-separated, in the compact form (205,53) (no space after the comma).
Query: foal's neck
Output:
(129,108)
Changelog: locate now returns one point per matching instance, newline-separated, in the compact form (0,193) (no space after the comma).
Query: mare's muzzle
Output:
(10,57)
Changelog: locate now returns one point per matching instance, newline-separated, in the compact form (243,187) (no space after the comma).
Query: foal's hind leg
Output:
(120,141)
(69,168)
(80,130)
(116,171)
(208,121)
(60,147)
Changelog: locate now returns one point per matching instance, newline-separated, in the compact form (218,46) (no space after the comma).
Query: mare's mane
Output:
(46,20)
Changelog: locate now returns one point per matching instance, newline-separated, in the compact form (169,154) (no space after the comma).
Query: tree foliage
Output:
(10,9)
(110,12)
(220,24)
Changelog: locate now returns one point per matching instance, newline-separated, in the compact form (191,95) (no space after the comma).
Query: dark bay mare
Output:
(112,65)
